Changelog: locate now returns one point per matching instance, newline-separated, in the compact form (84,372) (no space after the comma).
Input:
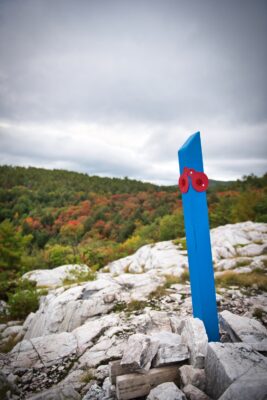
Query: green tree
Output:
(57,255)
(12,246)
(171,226)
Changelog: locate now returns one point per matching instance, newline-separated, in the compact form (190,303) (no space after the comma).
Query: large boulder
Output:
(226,363)
(243,329)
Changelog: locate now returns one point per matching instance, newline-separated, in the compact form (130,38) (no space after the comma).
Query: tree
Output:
(171,227)
(12,246)
(57,255)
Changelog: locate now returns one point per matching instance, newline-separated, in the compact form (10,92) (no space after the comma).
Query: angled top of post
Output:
(190,154)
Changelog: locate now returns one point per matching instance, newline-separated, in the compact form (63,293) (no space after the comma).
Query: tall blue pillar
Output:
(198,241)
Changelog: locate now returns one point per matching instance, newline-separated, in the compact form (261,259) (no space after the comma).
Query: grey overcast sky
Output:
(114,87)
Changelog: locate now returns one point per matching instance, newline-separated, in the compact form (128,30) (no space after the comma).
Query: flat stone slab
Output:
(226,363)
(139,352)
(136,385)
(243,329)
(43,351)
(171,350)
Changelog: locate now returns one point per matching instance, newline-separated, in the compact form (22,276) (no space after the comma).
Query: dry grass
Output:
(258,313)
(247,280)
(171,280)
(7,346)
(161,291)
(181,243)
(87,377)
(134,305)
(75,276)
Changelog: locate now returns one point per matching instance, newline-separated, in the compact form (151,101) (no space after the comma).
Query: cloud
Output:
(115,87)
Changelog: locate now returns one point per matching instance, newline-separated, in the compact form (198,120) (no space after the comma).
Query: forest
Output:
(54,217)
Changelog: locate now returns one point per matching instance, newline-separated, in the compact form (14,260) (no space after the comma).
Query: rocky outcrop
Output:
(163,256)
(53,278)
(230,241)
(80,328)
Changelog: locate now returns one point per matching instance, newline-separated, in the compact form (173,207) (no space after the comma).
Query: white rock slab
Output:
(43,351)
(67,310)
(139,352)
(226,363)
(152,322)
(251,250)
(166,391)
(86,333)
(226,239)
(195,337)
(162,256)
(53,277)
(243,329)
(171,350)
(105,350)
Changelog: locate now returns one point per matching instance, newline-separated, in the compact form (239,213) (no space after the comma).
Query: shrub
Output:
(23,302)
(78,276)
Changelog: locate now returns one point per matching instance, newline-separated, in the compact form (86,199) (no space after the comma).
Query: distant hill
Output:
(54,217)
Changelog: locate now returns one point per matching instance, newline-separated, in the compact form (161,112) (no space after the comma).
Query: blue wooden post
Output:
(198,240)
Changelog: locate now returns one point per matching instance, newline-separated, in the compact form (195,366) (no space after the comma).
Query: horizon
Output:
(122,177)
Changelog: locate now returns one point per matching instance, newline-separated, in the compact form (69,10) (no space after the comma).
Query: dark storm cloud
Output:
(162,69)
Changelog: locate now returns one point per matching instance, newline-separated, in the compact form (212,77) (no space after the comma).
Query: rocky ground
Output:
(67,347)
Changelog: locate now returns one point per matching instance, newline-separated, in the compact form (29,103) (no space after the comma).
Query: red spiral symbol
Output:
(183,183)
(200,181)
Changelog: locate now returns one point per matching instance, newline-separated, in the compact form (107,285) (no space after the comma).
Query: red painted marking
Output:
(199,180)
(183,183)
